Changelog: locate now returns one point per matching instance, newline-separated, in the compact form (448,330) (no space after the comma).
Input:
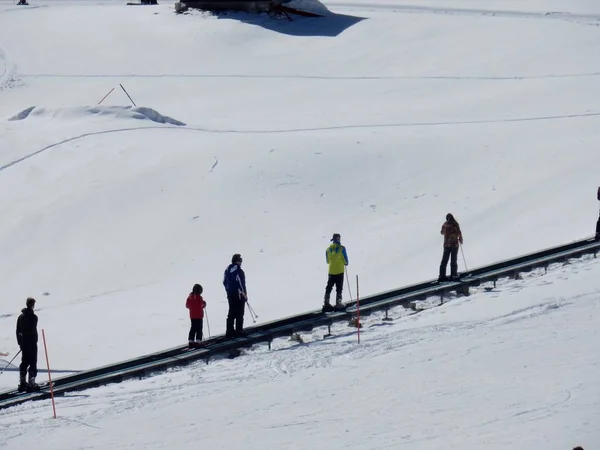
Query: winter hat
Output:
(197,289)
(336,237)
(30,302)
(236,258)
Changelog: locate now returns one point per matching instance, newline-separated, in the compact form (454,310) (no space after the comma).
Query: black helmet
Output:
(236,258)
(197,289)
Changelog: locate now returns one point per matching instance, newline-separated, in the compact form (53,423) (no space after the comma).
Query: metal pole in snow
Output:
(104,98)
(126,93)
(49,375)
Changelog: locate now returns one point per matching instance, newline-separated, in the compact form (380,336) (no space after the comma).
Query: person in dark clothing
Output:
(452,240)
(234,281)
(196,304)
(598,222)
(27,338)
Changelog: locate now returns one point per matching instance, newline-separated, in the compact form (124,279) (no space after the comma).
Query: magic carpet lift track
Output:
(219,345)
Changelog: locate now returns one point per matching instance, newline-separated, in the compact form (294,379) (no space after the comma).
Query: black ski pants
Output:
(195,330)
(450,253)
(29,353)
(235,316)
(338,281)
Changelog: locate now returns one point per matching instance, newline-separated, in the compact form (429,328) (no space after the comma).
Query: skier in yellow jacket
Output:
(337,259)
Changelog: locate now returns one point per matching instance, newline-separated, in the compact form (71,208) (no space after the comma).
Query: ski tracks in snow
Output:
(304,130)
(323,77)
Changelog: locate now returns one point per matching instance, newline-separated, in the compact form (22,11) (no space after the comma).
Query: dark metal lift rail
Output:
(266,332)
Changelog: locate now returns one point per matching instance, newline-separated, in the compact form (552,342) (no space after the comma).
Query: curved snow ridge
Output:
(84,112)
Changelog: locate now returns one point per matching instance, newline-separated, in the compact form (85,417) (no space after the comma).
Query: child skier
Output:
(196,304)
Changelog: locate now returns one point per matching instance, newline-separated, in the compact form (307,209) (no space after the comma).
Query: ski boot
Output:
(22,385)
(339,306)
(327,307)
(32,386)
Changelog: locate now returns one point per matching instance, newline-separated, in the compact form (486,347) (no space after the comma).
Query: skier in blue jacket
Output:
(234,281)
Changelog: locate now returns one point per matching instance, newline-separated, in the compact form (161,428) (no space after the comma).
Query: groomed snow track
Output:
(181,356)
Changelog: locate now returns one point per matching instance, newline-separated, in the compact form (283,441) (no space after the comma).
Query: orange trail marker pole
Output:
(49,375)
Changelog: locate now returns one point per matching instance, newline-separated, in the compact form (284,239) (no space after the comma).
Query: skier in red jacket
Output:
(196,304)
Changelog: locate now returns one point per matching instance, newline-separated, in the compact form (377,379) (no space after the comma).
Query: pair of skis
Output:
(33,389)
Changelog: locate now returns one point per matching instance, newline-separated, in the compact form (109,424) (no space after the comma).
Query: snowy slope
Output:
(374,123)
(291,135)
(264,137)
(510,369)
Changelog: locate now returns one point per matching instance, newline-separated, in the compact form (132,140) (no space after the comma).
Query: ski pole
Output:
(251,310)
(207,322)
(464,260)
(348,283)
(252,313)
(14,357)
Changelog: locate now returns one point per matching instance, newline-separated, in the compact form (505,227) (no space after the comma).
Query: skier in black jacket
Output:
(234,281)
(598,222)
(27,338)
